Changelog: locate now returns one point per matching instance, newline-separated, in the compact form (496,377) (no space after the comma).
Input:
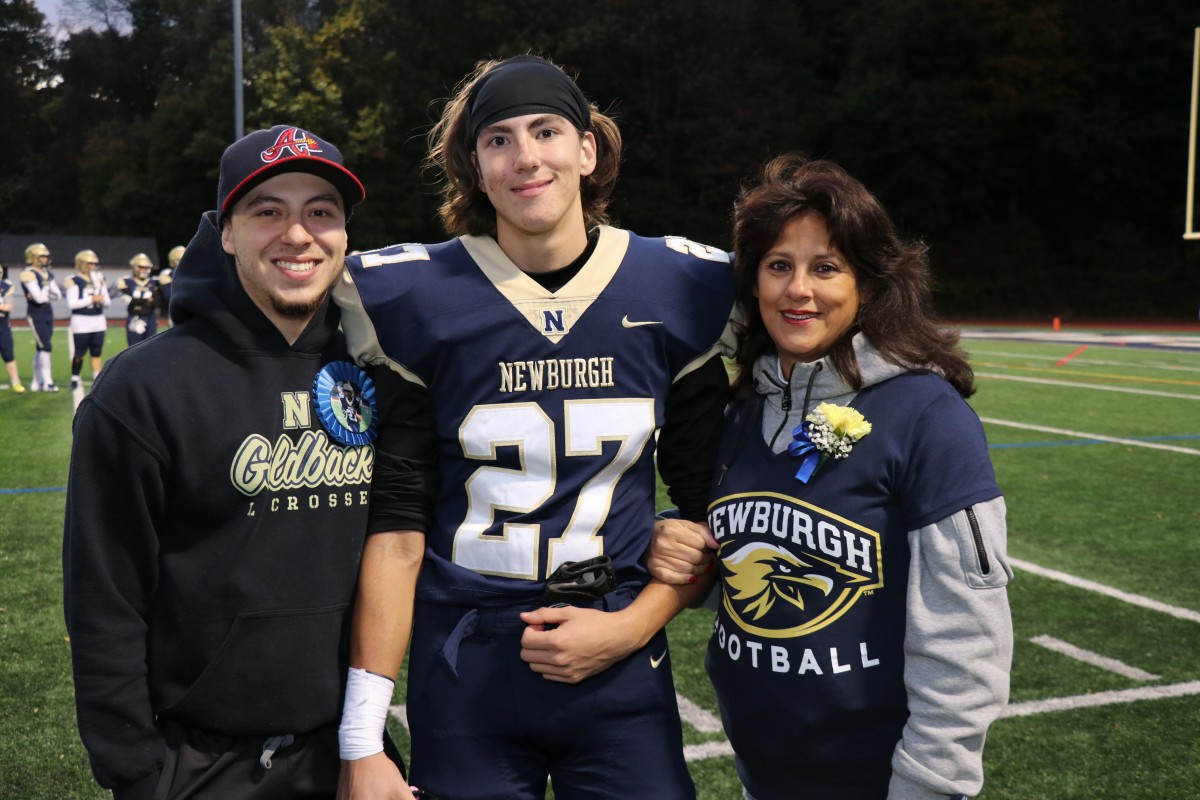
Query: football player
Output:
(6,337)
(143,294)
(87,297)
(556,351)
(165,276)
(40,291)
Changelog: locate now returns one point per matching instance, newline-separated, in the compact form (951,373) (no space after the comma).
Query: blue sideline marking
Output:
(36,490)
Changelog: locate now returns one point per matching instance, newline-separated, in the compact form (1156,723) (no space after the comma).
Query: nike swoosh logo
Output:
(654,662)
(626,323)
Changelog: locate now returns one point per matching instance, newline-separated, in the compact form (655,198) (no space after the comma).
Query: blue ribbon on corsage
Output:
(802,446)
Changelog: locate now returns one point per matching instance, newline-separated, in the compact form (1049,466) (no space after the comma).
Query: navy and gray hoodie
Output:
(213,530)
(878,668)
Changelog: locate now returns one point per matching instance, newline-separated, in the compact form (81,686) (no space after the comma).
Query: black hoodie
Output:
(213,530)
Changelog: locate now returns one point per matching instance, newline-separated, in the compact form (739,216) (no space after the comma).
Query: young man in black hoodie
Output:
(217,502)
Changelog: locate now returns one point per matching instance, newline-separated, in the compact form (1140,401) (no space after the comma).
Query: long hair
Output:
(895,310)
(465,208)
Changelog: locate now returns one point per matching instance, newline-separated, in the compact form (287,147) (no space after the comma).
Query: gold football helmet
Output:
(142,265)
(35,253)
(86,261)
(175,256)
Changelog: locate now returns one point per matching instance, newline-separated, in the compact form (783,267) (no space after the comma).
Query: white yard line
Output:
(1085,360)
(1095,659)
(1078,385)
(1108,591)
(1181,342)
(699,752)
(400,714)
(1096,436)
(1101,699)
(699,718)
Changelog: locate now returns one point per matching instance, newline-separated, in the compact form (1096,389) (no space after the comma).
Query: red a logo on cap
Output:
(294,140)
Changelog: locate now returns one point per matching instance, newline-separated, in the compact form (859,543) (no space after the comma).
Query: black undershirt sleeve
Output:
(688,443)
(405,478)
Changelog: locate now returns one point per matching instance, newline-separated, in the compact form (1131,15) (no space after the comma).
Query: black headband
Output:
(525,85)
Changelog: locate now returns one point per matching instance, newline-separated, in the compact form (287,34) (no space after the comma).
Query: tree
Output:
(1037,145)
(26,69)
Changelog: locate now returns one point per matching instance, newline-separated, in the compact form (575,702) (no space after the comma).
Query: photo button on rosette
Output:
(344,397)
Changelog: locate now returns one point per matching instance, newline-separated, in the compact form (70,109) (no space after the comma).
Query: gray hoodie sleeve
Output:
(957,652)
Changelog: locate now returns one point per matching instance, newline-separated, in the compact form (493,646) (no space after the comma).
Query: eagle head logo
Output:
(759,574)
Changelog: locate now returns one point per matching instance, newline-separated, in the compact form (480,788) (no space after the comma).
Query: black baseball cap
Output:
(285,148)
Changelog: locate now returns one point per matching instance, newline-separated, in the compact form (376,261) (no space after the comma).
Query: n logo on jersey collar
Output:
(553,322)
(551,314)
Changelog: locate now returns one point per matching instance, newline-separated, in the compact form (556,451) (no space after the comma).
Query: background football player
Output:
(165,276)
(6,337)
(40,291)
(142,292)
(87,297)
(552,349)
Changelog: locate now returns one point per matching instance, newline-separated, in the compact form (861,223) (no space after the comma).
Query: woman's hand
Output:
(680,551)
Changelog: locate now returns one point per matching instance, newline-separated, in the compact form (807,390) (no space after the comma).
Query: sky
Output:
(51,8)
(74,10)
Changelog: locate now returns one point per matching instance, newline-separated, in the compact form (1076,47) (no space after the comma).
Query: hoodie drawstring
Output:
(786,402)
(271,745)
(808,389)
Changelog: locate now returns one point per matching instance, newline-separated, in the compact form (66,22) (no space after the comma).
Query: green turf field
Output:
(1097,451)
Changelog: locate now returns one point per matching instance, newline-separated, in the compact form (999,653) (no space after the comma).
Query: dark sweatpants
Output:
(204,765)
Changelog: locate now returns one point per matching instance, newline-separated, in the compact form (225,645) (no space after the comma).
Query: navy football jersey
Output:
(6,294)
(547,403)
(809,633)
(143,295)
(41,279)
(164,278)
(85,288)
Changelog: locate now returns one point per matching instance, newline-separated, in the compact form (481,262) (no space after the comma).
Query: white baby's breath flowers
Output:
(835,429)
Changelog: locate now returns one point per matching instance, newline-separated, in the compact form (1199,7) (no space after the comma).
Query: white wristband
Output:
(364,717)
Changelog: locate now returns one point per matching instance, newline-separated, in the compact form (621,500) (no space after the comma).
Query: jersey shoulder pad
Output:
(28,275)
(701,267)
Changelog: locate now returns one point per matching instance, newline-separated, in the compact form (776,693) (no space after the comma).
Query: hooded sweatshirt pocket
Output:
(275,672)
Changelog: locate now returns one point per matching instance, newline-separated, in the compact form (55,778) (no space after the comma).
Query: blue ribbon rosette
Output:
(344,397)
(802,446)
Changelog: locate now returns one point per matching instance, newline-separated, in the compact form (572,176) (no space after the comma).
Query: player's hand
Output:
(372,778)
(582,642)
(680,551)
